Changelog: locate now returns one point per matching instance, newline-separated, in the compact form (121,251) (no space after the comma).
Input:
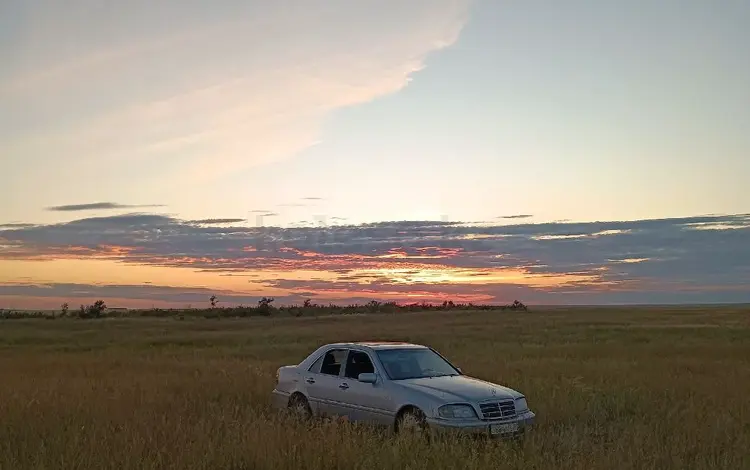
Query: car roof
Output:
(380,345)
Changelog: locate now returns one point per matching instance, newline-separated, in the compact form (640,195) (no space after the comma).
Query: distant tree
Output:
(264,306)
(213,301)
(64,310)
(448,304)
(93,311)
(516,305)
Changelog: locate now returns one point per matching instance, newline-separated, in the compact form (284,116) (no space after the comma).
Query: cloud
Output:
(269,74)
(216,221)
(312,198)
(98,206)
(16,225)
(135,292)
(633,261)
(518,216)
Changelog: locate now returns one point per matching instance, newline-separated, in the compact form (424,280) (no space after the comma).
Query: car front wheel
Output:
(412,422)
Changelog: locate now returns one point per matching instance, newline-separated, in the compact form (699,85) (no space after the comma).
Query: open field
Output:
(640,388)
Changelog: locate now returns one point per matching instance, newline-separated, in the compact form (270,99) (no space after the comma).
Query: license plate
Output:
(503,428)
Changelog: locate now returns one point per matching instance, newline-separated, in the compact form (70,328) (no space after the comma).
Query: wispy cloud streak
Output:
(517,216)
(244,106)
(98,206)
(215,221)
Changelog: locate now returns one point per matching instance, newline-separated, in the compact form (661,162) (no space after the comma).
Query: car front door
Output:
(322,382)
(364,401)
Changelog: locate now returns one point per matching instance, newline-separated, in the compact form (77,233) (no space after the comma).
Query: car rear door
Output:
(323,379)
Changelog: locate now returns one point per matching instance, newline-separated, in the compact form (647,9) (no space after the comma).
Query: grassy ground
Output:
(612,388)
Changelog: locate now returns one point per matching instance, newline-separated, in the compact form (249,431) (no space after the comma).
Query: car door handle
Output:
(310,380)
(344,386)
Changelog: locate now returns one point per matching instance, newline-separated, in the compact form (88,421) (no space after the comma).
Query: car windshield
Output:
(415,363)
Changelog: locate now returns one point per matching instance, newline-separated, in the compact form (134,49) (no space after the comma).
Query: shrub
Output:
(92,311)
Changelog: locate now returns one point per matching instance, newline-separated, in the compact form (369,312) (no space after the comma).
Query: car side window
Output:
(329,363)
(358,363)
(315,368)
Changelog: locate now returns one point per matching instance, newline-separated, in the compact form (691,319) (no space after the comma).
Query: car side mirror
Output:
(368,378)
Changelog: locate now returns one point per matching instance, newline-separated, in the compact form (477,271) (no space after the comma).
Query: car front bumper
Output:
(506,429)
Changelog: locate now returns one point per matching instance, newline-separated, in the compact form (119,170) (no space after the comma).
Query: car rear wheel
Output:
(412,422)
(299,407)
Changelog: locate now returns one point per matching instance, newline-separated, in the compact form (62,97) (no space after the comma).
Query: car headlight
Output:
(457,412)
(521,405)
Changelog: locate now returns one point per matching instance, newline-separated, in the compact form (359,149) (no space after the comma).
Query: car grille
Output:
(498,410)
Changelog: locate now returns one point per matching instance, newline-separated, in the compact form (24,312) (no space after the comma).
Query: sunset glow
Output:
(171,262)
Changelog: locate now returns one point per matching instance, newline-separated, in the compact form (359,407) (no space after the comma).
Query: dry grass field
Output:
(628,388)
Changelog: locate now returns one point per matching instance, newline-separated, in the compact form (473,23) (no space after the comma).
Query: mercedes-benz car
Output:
(402,386)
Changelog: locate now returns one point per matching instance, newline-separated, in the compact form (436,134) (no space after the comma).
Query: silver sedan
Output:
(399,385)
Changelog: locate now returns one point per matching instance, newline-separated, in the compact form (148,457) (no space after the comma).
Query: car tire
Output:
(412,422)
(299,407)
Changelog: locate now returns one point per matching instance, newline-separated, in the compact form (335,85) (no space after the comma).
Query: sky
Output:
(588,151)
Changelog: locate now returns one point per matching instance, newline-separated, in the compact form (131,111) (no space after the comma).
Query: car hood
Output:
(459,388)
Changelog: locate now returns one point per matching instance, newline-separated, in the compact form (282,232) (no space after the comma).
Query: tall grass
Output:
(613,389)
